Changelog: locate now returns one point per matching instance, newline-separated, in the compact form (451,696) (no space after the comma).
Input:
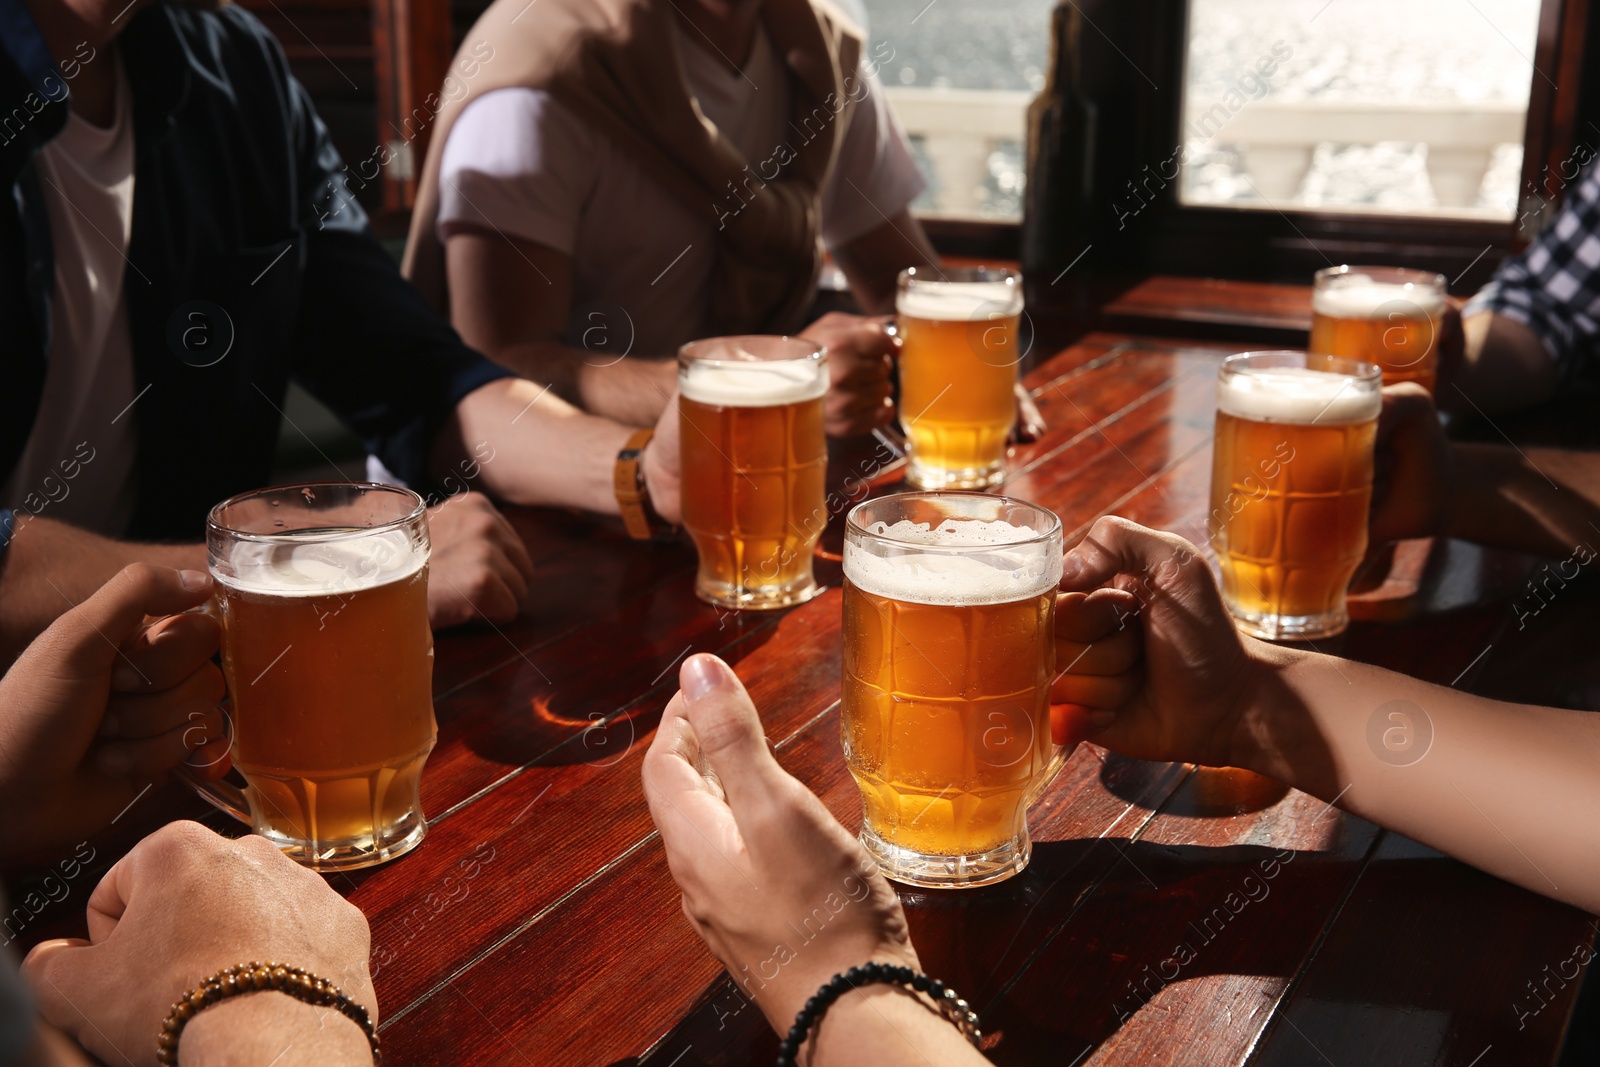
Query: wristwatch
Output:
(633,494)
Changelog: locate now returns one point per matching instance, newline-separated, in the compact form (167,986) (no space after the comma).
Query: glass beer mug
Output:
(754,457)
(322,592)
(949,652)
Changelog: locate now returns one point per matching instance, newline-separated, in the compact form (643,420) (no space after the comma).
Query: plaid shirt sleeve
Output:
(1553,287)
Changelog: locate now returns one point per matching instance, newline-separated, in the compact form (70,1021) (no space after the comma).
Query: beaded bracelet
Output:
(250,978)
(952,1007)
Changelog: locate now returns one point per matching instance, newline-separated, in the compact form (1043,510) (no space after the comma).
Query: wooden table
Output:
(538,923)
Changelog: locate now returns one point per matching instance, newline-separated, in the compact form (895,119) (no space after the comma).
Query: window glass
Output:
(960,76)
(1372,106)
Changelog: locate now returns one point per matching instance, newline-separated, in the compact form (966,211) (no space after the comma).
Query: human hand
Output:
(756,854)
(661,461)
(99,706)
(478,567)
(861,354)
(179,907)
(1414,474)
(1163,674)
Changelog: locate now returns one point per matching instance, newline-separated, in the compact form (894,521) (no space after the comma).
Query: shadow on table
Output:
(1094,913)
(1212,793)
(1101,941)
(597,704)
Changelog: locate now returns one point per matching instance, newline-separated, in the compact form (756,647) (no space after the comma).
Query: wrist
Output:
(1266,725)
(781,998)
(271,1027)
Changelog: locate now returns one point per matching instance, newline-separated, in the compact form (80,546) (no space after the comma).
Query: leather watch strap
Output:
(633,496)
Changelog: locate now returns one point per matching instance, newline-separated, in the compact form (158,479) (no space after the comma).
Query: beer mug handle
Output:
(1058,760)
(224,796)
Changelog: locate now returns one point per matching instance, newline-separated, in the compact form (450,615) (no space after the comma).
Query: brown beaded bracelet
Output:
(255,977)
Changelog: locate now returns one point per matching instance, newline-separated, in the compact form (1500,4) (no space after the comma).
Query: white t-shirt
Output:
(78,464)
(521,163)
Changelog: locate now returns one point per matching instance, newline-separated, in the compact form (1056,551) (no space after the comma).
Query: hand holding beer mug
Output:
(1291,484)
(323,594)
(959,352)
(754,458)
(1383,315)
(949,652)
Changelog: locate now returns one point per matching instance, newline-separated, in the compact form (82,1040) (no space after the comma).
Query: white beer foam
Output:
(1297,395)
(998,576)
(303,568)
(733,383)
(959,301)
(1362,299)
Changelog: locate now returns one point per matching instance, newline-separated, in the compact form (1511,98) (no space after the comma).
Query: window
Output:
(960,77)
(1414,107)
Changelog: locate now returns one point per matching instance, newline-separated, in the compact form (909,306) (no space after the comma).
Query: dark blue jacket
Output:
(250,264)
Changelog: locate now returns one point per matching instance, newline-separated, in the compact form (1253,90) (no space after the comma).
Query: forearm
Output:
(1508,788)
(630,389)
(886,1025)
(873,262)
(1545,501)
(272,1028)
(532,447)
(51,567)
(1504,367)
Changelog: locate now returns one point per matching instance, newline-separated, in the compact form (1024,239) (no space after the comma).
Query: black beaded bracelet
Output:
(950,1006)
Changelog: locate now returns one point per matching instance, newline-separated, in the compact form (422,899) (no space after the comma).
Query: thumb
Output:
(86,639)
(728,731)
(1116,546)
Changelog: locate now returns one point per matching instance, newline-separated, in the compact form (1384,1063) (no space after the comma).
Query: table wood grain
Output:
(1171,914)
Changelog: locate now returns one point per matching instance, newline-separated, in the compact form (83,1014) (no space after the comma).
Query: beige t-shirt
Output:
(521,163)
(78,464)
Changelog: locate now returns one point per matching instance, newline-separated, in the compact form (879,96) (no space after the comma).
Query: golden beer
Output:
(1291,484)
(328,657)
(959,352)
(754,457)
(1382,315)
(949,652)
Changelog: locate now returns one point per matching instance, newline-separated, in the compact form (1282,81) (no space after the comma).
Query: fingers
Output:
(1116,546)
(858,413)
(165,654)
(470,532)
(1095,691)
(503,534)
(1098,641)
(135,716)
(728,731)
(1084,618)
(155,755)
(88,638)
(861,368)
(1405,405)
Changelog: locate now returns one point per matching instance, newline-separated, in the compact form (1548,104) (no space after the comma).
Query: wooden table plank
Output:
(1184,303)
